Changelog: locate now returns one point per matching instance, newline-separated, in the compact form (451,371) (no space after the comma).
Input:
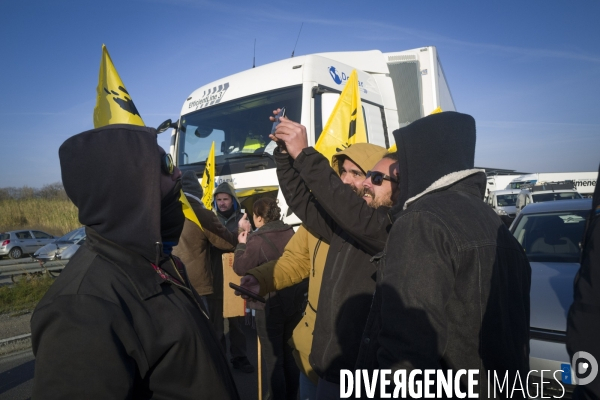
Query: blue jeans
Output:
(308,390)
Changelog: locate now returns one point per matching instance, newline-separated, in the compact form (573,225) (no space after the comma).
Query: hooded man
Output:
(453,283)
(227,206)
(583,323)
(194,243)
(356,229)
(122,320)
(304,257)
(228,210)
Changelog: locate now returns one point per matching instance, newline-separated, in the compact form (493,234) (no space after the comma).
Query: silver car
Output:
(16,243)
(551,233)
(70,251)
(49,251)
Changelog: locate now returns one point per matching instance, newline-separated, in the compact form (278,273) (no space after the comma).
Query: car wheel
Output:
(15,252)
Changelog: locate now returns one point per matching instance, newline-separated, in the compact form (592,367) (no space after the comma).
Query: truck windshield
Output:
(240,128)
(552,237)
(542,197)
(507,200)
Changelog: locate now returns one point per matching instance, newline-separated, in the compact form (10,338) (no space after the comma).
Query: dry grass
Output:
(55,216)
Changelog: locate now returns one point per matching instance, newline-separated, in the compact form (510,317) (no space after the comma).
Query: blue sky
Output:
(528,71)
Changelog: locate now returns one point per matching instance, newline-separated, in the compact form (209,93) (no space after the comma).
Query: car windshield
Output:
(239,127)
(4,236)
(552,237)
(73,236)
(543,197)
(507,200)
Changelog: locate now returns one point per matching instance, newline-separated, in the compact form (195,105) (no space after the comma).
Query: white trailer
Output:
(498,182)
(585,182)
(396,89)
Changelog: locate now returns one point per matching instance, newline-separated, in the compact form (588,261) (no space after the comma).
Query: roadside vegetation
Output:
(47,209)
(25,294)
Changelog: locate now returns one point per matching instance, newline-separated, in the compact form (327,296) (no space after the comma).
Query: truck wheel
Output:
(15,253)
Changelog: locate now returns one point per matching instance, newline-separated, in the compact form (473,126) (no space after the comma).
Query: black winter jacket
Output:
(356,232)
(112,326)
(453,284)
(583,323)
(453,290)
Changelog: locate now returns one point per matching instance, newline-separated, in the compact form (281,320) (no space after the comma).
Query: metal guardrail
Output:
(18,269)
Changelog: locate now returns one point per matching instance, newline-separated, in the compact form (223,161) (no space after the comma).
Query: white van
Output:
(504,202)
(543,192)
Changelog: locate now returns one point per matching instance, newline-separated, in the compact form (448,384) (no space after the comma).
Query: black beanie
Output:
(190,184)
(432,147)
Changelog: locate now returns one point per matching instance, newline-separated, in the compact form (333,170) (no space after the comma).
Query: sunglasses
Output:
(166,164)
(378,177)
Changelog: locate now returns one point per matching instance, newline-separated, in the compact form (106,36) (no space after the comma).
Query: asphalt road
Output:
(16,373)
(16,376)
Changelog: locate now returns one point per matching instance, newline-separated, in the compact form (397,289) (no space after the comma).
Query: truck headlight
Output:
(501,212)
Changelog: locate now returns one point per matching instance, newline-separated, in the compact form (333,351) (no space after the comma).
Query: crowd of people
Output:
(398,265)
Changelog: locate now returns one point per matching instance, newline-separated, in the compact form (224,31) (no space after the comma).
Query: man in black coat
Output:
(356,229)
(583,323)
(122,321)
(453,285)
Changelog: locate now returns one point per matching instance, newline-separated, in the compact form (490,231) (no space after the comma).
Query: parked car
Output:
(543,192)
(504,204)
(49,251)
(16,243)
(551,233)
(70,251)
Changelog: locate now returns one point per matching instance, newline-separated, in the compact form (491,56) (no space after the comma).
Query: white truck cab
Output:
(395,88)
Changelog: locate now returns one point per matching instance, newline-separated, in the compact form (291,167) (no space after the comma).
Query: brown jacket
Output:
(194,246)
(265,244)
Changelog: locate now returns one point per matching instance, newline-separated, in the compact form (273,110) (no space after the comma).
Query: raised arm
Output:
(216,233)
(368,226)
(299,198)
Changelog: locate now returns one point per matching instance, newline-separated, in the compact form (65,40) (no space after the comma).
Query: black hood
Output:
(112,175)
(191,185)
(432,147)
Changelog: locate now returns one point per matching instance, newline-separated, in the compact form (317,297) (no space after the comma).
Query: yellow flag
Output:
(393,148)
(346,124)
(188,211)
(113,102)
(208,179)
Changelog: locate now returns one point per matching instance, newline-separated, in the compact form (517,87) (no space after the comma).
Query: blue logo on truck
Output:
(334,75)
(341,77)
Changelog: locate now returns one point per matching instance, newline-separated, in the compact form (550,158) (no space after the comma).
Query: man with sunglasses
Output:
(356,230)
(122,320)
(304,257)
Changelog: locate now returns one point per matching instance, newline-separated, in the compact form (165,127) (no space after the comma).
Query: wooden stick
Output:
(259,368)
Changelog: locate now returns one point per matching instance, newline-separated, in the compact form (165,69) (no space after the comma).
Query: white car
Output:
(551,233)
(546,192)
